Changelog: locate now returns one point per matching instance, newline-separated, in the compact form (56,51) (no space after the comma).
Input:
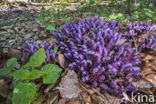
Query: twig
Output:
(81,99)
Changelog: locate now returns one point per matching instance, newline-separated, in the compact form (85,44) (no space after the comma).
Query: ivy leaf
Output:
(34,74)
(20,74)
(10,64)
(51,73)
(23,93)
(50,28)
(37,58)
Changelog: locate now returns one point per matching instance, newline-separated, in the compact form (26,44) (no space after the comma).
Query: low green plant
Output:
(27,14)
(143,15)
(25,90)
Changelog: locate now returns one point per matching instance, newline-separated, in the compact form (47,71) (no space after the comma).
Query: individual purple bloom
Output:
(101,78)
(94,71)
(84,73)
(104,86)
(105,52)
(101,70)
(95,84)
(85,78)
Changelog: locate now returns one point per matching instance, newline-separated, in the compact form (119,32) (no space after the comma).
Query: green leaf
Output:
(50,28)
(23,93)
(20,74)
(4,71)
(34,74)
(37,58)
(11,63)
(51,73)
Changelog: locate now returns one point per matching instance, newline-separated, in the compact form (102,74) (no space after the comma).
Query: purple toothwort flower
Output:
(149,42)
(32,47)
(138,28)
(91,48)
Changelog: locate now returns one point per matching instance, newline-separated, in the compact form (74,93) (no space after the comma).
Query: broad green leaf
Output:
(11,63)
(23,93)
(4,71)
(20,74)
(51,73)
(34,74)
(51,28)
(37,58)
(26,66)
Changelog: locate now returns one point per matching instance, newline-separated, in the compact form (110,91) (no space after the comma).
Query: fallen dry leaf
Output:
(84,88)
(91,95)
(112,99)
(4,88)
(143,36)
(74,101)
(39,100)
(148,58)
(151,78)
(53,96)
(14,53)
(98,99)
(63,101)
(86,98)
(69,87)
(143,84)
(61,60)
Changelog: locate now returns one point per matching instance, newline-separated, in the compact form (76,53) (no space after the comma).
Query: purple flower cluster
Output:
(137,28)
(32,47)
(21,10)
(91,48)
(149,42)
